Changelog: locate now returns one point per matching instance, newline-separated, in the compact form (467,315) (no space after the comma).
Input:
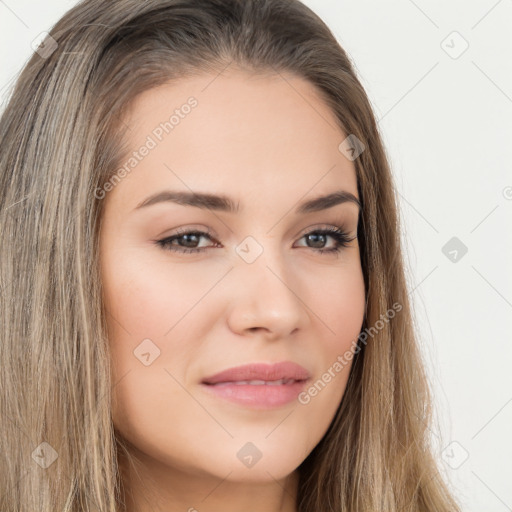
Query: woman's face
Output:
(259,291)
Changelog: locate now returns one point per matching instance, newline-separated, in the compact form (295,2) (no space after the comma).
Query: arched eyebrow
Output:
(324,202)
(224,203)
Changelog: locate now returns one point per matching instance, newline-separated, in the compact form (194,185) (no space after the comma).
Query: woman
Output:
(203,296)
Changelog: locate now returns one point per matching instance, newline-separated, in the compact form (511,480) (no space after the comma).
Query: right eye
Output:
(185,241)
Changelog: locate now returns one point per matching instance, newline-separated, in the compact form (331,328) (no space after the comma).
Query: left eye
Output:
(188,242)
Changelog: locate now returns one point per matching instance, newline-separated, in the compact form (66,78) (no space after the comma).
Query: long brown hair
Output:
(61,136)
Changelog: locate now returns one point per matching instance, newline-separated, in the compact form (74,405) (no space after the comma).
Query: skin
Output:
(269,144)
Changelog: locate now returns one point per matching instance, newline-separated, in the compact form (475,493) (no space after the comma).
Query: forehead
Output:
(238,133)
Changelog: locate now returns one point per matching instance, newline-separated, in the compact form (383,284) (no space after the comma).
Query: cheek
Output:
(340,305)
(339,302)
(152,343)
(156,323)
(149,300)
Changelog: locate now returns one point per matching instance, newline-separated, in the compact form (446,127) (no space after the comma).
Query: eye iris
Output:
(191,239)
(318,239)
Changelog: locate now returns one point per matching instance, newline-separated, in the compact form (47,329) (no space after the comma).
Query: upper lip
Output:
(260,371)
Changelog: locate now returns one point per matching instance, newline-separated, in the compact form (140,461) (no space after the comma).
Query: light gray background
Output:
(445,118)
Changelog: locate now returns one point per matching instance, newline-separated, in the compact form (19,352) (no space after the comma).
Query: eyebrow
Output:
(225,204)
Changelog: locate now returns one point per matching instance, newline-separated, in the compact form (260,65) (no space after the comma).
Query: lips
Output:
(256,382)
(260,374)
(258,386)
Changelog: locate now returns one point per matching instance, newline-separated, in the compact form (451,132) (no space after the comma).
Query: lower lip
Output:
(262,396)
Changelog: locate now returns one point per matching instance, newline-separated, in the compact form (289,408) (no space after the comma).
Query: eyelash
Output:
(338,234)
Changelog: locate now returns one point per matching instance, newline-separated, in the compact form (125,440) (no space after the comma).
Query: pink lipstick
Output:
(260,386)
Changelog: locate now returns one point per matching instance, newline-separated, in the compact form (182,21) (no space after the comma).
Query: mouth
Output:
(260,373)
(279,382)
(258,386)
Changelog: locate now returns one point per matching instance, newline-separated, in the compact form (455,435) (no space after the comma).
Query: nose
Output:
(266,300)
